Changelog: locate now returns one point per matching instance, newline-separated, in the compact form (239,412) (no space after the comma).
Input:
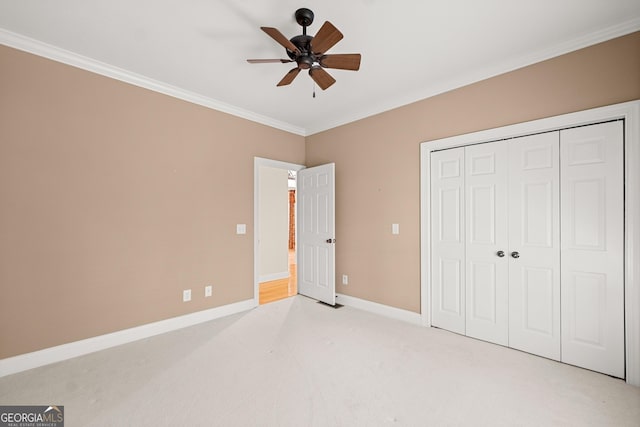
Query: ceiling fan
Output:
(310,52)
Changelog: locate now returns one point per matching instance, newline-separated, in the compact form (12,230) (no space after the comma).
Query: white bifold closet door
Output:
(491,203)
(469,228)
(534,238)
(527,244)
(487,274)
(592,178)
(448,241)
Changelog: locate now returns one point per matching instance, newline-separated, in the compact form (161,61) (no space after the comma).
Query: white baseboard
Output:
(274,276)
(381,309)
(12,365)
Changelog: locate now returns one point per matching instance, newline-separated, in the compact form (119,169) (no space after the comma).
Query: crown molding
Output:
(479,74)
(39,48)
(36,47)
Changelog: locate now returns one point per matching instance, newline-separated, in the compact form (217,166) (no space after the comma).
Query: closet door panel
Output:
(593,247)
(447,231)
(534,232)
(486,234)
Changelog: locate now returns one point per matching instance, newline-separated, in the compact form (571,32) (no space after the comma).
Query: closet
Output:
(527,244)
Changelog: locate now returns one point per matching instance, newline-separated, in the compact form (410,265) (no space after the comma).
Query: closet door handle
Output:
(515,254)
(500,254)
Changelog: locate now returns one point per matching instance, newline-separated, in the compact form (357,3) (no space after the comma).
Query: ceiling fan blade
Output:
(288,78)
(321,77)
(327,36)
(280,38)
(267,61)
(342,61)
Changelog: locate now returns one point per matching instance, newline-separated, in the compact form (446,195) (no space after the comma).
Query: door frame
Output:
(630,112)
(259,162)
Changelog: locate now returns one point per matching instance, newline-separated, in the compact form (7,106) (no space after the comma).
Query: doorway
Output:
(275,290)
(275,257)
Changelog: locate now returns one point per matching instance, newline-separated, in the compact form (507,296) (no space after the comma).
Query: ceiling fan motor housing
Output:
(305,58)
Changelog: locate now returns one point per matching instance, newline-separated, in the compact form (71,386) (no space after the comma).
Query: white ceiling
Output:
(196,49)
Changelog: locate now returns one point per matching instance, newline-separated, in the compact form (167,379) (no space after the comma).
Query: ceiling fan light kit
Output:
(309,53)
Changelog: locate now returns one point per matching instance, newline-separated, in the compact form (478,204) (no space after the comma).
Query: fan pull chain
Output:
(314,89)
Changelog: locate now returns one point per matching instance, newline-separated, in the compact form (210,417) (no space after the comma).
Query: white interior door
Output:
(316,233)
(447,243)
(534,236)
(486,234)
(592,204)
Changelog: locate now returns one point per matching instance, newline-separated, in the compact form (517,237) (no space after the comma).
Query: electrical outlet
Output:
(208,290)
(186,295)
(345,279)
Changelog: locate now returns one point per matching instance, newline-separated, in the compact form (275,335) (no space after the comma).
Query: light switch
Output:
(241,228)
(395,228)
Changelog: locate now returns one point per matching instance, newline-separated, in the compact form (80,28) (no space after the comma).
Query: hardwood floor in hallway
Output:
(279,289)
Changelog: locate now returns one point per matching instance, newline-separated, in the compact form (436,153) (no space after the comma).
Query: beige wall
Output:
(377,158)
(114,199)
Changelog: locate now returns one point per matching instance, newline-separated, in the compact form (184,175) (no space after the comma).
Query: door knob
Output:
(515,255)
(500,253)
(331,240)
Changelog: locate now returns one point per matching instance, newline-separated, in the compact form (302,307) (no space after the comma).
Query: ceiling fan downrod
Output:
(304,17)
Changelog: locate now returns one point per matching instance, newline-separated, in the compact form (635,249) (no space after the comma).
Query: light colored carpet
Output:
(299,363)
